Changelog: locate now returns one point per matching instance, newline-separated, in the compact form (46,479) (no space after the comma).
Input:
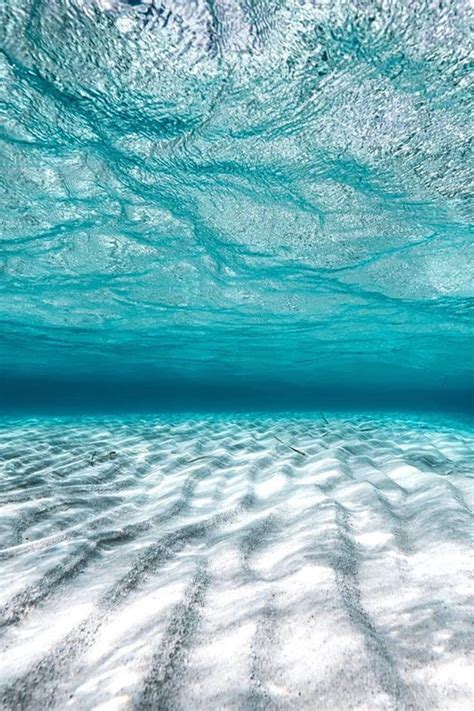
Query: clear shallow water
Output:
(235,205)
(203,202)
(235,563)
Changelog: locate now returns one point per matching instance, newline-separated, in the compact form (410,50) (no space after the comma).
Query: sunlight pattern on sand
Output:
(235,563)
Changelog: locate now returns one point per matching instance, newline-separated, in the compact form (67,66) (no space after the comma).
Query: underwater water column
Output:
(236,354)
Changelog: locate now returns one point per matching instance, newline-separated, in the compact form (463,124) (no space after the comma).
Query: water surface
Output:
(243,194)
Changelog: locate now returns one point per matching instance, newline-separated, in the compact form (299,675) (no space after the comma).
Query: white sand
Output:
(208,565)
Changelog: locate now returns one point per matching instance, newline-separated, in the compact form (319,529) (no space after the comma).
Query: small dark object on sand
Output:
(100,459)
(197,459)
(298,451)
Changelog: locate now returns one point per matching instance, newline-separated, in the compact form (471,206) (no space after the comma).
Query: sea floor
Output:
(236,563)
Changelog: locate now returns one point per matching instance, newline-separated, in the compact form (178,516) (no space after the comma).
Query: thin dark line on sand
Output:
(40,685)
(298,451)
(346,568)
(161,686)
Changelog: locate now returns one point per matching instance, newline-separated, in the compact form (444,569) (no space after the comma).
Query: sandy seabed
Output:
(236,563)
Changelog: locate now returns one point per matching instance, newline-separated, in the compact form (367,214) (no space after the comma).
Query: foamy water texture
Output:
(240,564)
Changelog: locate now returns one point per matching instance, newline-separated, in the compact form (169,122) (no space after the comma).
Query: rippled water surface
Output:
(237,191)
(235,563)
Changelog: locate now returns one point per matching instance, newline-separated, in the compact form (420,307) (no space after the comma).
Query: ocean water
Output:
(236,355)
(236,203)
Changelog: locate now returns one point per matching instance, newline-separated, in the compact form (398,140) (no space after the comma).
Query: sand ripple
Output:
(235,563)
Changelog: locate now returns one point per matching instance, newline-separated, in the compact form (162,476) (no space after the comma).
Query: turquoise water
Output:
(212,209)
(236,204)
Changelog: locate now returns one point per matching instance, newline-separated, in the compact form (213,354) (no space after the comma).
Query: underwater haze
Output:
(236,203)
